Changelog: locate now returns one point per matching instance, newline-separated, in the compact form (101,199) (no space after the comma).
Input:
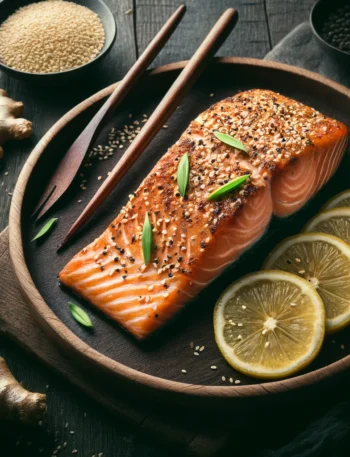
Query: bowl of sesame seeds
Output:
(330,23)
(54,41)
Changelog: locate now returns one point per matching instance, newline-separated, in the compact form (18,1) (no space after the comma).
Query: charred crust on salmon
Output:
(194,238)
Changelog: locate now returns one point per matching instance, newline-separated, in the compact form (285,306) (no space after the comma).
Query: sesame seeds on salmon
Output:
(292,151)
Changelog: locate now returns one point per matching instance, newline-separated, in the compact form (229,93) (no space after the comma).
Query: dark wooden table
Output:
(74,418)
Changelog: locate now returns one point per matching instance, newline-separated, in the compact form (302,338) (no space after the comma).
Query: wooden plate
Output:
(155,367)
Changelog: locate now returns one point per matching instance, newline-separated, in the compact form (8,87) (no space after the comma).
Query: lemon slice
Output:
(324,261)
(334,221)
(269,324)
(342,199)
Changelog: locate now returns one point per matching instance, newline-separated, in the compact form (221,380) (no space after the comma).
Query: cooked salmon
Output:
(292,151)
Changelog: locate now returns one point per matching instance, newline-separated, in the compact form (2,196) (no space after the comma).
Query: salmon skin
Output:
(292,151)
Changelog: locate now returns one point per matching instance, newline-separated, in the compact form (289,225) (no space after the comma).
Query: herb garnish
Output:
(147,240)
(80,315)
(183,173)
(227,188)
(231,141)
(49,224)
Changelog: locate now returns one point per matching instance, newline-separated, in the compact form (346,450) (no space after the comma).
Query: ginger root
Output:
(12,126)
(16,403)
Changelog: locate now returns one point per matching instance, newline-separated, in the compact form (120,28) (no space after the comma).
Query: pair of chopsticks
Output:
(75,155)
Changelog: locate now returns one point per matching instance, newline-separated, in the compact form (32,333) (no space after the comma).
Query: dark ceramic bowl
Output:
(319,14)
(8,7)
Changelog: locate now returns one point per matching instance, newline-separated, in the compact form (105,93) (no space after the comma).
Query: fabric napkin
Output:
(301,49)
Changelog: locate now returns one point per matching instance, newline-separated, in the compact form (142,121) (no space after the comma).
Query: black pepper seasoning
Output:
(336,30)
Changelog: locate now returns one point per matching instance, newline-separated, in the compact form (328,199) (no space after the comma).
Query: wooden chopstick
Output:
(161,114)
(72,160)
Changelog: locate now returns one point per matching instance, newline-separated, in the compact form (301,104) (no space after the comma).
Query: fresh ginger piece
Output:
(12,126)
(16,403)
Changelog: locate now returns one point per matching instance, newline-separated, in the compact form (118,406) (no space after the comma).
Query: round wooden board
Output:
(155,367)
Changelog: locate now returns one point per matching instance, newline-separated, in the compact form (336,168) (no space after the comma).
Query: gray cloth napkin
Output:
(301,49)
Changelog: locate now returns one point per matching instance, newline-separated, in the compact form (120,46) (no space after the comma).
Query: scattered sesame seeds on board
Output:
(116,139)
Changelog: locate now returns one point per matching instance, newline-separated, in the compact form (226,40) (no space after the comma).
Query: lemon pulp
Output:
(324,261)
(269,324)
(334,221)
(342,199)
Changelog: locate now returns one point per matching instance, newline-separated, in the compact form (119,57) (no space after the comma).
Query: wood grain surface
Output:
(191,434)
(98,431)
(147,369)
(160,425)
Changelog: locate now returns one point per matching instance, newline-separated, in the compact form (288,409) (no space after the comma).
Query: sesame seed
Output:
(213,367)
(76,31)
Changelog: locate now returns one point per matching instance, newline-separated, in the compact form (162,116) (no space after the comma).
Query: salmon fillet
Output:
(292,151)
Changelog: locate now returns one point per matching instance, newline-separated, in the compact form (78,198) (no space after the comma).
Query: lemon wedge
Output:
(334,221)
(269,324)
(324,261)
(342,199)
